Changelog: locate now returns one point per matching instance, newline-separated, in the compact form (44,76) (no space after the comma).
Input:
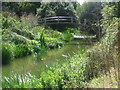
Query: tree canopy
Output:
(89,15)
(49,9)
(21,7)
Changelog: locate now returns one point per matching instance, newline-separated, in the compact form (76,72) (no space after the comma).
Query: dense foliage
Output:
(89,18)
(21,37)
(42,9)
(27,38)
(20,7)
(48,9)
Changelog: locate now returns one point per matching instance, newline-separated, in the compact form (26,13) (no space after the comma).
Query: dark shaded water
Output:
(30,64)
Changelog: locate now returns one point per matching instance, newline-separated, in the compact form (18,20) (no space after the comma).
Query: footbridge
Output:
(58,20)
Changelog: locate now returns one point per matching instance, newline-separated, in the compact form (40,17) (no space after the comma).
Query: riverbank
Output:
(60,75)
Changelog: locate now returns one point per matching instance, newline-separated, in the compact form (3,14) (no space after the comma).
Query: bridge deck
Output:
(58,20)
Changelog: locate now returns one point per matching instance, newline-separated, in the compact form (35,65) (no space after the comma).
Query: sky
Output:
(80,1)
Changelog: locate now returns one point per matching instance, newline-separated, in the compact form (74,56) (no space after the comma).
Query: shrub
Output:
(51,38)
(36,45)
(37,30)
(66,75)
(6,35)
(23,50)
(18,39)
(29,21)
(73,30)
(9,22)
(68,36)
(53,42)
(7,52)
(53,34)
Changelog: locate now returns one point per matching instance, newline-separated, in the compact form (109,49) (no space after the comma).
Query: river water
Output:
(29,64)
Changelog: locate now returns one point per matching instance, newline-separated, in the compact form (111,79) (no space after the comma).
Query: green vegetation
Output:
(22,37)
(26,38)
(61,75)
(7,52)
(23,50)
(105,80)
(89,17)
(49,9)
(103,55)
(20,7)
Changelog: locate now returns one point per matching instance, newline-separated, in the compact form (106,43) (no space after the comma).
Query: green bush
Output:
(18,39)
(9,22)
(52,39)
(73,30)
(68,36)
(53,34)
(36,45)
(66,75)
(23,50)
(7,52)
(53,42)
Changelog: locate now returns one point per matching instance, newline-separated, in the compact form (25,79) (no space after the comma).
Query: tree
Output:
(89,16)
(21,7)
(49,9)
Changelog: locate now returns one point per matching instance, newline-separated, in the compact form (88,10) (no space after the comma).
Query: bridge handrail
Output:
(58,19)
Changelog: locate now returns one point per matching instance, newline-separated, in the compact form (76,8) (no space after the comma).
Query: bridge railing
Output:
(57,19)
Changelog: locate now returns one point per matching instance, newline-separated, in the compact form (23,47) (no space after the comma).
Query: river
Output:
(29,64)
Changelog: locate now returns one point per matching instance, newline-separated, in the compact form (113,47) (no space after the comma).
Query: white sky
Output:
(80,1)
